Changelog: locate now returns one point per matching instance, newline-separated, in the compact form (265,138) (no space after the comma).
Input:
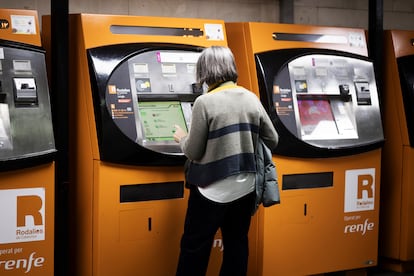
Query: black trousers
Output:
(204,217)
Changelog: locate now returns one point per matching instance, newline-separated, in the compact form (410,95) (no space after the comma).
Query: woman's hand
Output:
(179,133)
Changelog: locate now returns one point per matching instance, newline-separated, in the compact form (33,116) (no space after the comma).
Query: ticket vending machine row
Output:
(27,149)
(397,209)
(132,78)
(320,91)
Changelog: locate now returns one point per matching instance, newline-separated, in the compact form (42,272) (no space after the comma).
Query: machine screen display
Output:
(158,119)
(324,119)
(316,119)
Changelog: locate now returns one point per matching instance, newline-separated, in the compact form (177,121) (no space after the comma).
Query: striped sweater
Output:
(225,126)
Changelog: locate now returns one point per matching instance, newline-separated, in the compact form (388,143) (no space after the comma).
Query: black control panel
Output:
(323,102)
(26,130)
(141,91)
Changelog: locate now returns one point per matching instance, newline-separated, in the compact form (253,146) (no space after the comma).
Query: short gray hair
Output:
(216,65)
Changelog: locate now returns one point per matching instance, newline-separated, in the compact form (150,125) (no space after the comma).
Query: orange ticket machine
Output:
(320,91)
(397,208)
(132,78)
(27,149)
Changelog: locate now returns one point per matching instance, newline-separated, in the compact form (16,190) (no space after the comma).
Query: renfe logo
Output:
(359,227)
(359,190)
(22,215)
(24,264)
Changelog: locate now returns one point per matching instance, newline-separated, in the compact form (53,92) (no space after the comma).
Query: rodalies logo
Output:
(4,24)
(359,190)
(22,215)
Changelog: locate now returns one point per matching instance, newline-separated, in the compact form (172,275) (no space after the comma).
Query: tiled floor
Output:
(379,272)
(374,271)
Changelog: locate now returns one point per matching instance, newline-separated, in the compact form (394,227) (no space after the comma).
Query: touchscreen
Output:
(158,119)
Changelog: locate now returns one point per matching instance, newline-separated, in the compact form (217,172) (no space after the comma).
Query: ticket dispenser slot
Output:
(25,92)
(2,97)
(363,93)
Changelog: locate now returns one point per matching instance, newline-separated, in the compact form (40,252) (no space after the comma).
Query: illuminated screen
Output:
(317,120)
(158,119)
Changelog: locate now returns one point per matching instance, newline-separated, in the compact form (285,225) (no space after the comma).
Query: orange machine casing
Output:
(305,233)
(109,237)
(397,208)
(32,258)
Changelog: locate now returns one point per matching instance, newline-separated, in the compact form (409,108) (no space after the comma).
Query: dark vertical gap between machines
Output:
(286,11)
(60,109)
(375,39)
(376,53)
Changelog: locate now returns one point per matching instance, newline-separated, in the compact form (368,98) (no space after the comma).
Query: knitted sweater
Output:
(225,126)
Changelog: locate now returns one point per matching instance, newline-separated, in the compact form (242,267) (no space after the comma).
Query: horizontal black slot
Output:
(317,38)
(151,191)
(307,180)
(167,31)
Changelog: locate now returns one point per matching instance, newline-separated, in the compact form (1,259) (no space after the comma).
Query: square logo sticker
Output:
(359,190)
(22,215)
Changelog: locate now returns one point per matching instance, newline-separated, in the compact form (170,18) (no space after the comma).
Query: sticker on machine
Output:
(23,24)
(359,190)
(22,215)
(214,31)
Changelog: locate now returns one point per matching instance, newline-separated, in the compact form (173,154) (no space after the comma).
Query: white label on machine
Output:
(359,190)
(214,31)
(23,24)
(22,215)
(168,57)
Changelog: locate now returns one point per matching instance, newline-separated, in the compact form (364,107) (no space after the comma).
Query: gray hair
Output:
(216,65)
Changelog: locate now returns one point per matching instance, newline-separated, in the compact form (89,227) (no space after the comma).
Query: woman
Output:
(225,126)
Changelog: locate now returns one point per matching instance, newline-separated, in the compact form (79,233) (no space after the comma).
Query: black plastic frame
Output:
(268,65)
(115,146)
(406,72)
(39,158)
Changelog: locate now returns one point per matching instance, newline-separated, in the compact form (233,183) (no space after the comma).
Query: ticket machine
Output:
(132,78)
(397,206)
(319,89)
(27,149)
